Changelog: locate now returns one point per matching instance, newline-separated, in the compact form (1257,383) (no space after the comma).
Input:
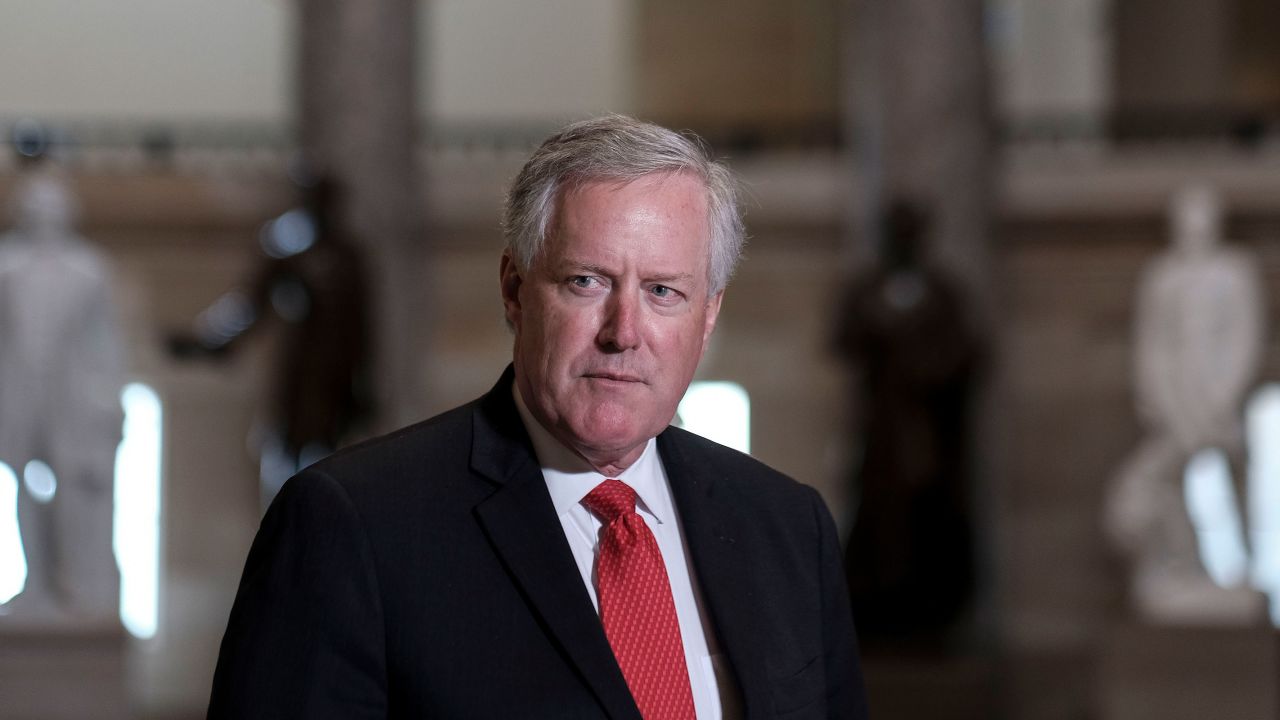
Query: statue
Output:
(61,362)
(312,280)
(903,329)
(1198,341)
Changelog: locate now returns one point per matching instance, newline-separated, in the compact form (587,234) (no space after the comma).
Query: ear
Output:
(713,312)
(509,280)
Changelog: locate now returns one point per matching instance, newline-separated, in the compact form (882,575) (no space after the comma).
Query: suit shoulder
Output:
(746,472)
(429,443)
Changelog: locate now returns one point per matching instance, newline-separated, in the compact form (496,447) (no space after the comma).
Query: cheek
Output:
(561,336)
(573,327)
(693,347)
(693,338)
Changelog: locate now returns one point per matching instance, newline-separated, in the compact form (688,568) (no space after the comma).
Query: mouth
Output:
(613,377)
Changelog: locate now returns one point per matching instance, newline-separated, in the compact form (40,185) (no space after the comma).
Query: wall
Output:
(500,61)
(1052,61)
(518,63)
(146,59)
(1172,56)
(738,64)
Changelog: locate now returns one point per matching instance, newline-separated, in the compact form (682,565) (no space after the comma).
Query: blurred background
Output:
(999,253)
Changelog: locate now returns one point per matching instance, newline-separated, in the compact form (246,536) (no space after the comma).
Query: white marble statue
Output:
(60,379)
(1199,333)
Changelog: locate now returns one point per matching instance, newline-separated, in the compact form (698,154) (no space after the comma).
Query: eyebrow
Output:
(592,268)
(671,278)
(586,267)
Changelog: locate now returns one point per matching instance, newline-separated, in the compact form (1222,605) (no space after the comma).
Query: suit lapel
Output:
(708,512)
(521,523)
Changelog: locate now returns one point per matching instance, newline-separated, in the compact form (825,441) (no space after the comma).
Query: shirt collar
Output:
(569,477)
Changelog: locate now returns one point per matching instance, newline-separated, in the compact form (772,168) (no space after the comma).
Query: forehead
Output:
(655,226)
(675,188)
(659,205)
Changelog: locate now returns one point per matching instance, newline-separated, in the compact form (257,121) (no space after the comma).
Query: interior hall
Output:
(1010,301)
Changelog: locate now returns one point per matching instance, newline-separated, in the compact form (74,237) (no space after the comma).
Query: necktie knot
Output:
(611,500)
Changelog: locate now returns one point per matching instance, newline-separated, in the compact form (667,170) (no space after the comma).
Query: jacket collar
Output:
(710,511)
(521,524)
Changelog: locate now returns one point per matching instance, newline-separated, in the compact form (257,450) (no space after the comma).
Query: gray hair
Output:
(620,148)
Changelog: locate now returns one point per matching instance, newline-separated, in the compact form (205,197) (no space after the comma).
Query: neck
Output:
(609,464)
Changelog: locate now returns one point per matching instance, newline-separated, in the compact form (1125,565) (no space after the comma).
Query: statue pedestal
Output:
(938,688)
(62,673)
(1153,672)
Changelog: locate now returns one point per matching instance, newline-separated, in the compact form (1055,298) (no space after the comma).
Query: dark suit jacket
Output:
(425,574)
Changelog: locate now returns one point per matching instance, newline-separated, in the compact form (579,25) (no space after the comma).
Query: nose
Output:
(621,327)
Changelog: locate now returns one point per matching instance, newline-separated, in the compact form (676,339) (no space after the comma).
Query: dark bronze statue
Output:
(312,279)
(903,330)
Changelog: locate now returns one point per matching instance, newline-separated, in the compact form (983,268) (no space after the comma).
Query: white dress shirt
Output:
(569,479)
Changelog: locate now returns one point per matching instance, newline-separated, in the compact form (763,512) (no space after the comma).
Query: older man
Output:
(554,549)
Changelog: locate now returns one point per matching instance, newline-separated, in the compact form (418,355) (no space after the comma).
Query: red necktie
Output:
(636,608)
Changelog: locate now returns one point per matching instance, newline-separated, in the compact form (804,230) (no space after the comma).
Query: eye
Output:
(665,294)
(584,283)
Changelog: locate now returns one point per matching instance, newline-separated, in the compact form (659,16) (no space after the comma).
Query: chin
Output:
(606,439)
(610,431)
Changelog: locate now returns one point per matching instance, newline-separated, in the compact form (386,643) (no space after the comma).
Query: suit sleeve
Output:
(846,697)
(305,637)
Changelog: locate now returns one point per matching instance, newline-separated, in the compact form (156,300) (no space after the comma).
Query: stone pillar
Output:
(357,113)
(920,122)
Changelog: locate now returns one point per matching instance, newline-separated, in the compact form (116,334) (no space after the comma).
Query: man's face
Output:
(613,316)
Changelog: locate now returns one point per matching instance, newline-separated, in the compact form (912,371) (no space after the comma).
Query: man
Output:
(554,549)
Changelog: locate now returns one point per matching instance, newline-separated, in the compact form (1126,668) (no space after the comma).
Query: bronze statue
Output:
(904,331)
(312,279)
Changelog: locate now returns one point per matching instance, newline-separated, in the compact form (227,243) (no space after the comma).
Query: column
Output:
(918,113)
(356,65)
